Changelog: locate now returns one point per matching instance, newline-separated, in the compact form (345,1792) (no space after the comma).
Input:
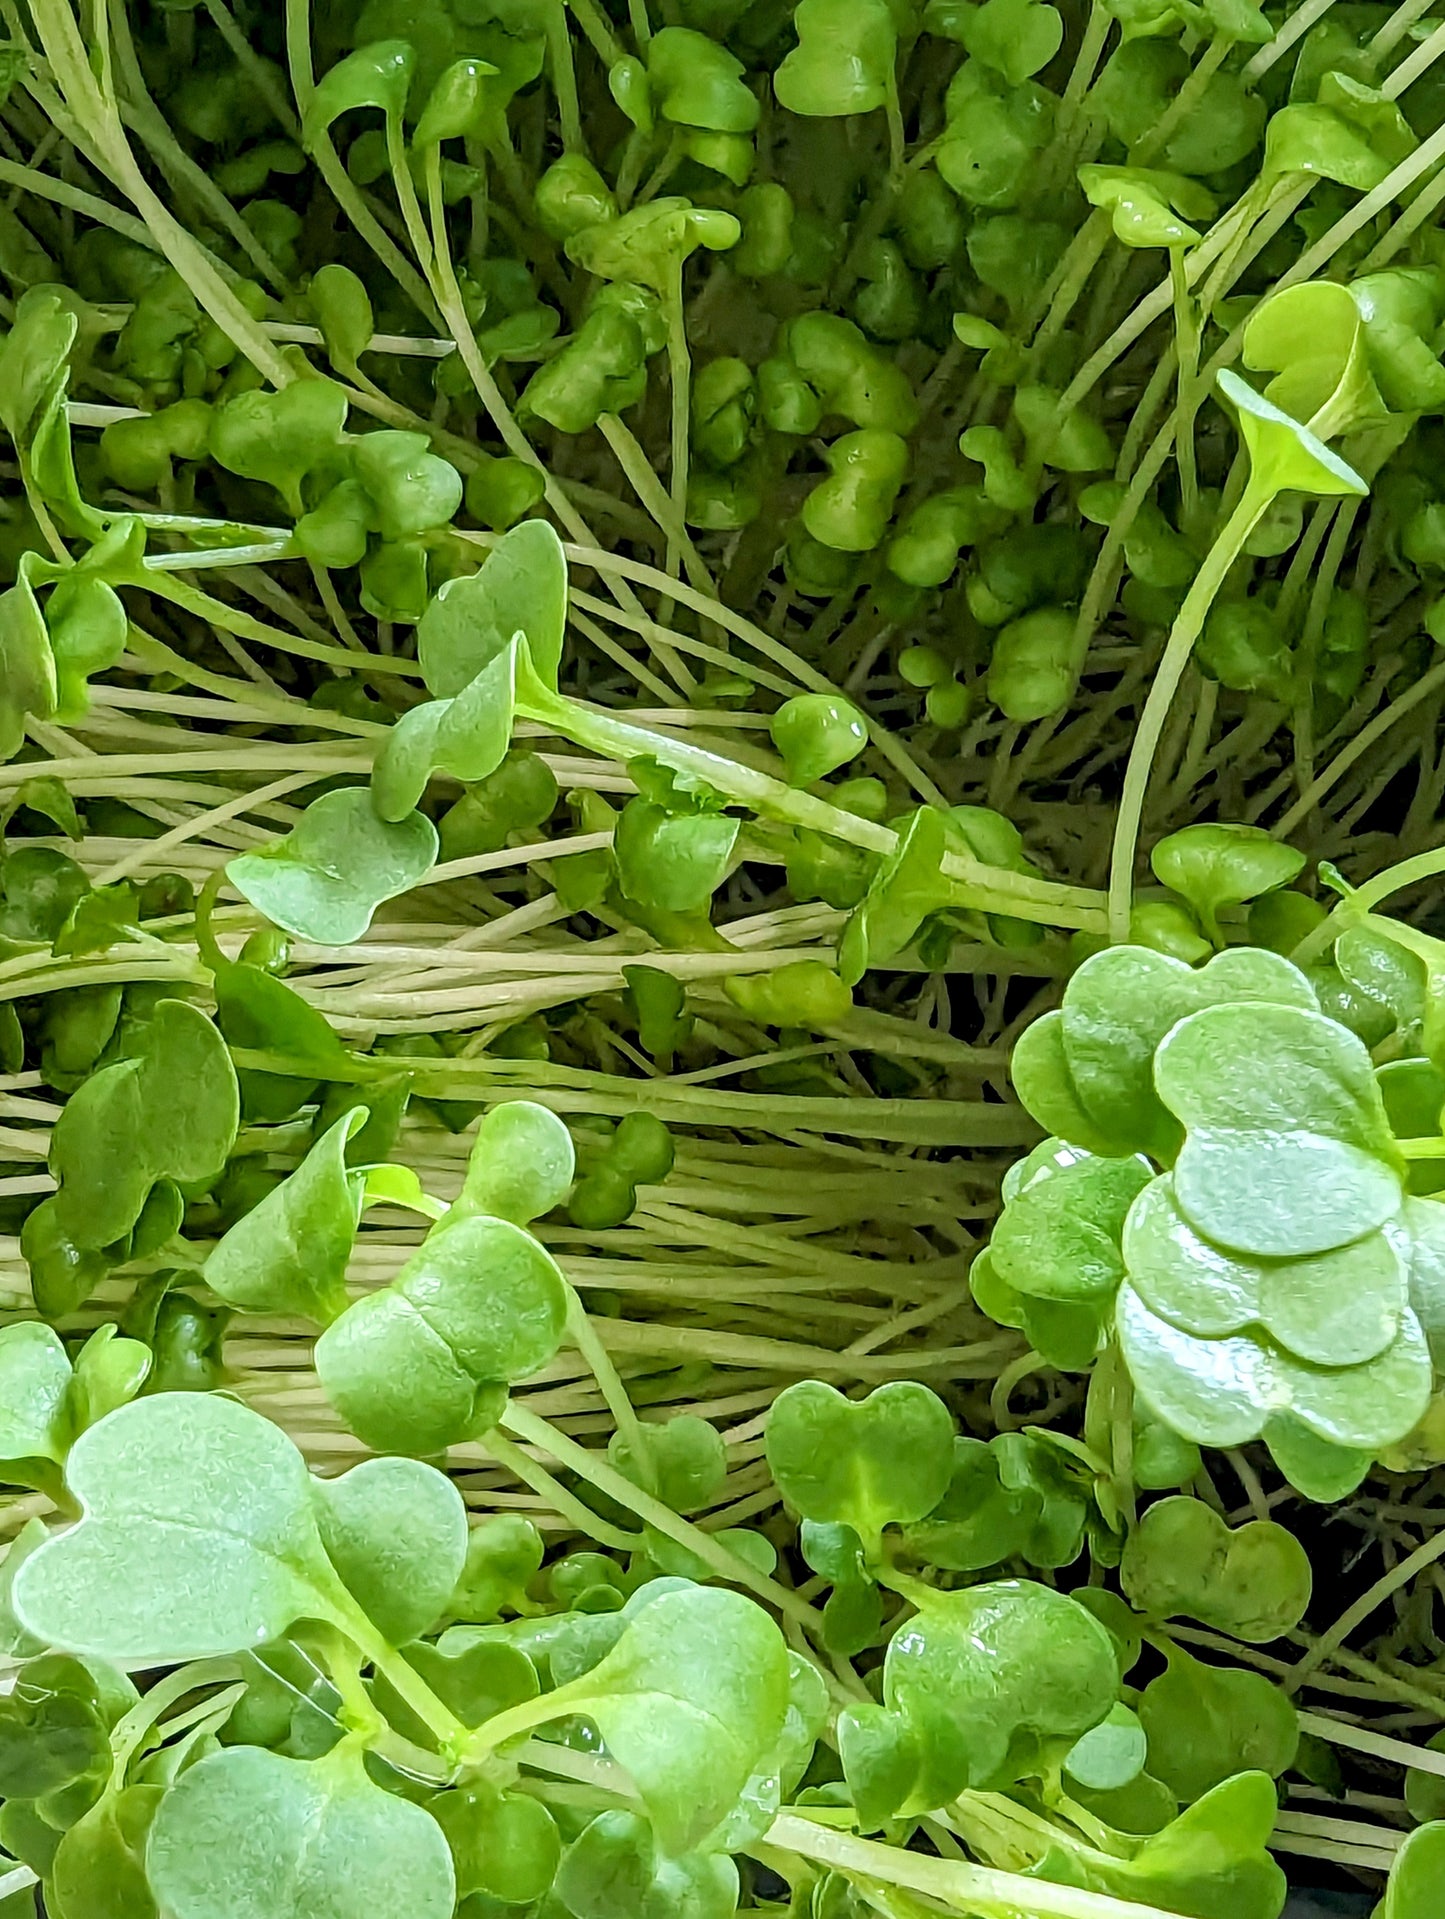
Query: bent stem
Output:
(594,1468)
(1188,625)
(992,889)
(963,1888)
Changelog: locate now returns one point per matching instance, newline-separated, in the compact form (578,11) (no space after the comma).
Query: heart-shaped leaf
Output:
(248,1834)
(278,437)
(1288,1149)
(1215,866)
(982,1677)
(1059,1237)
(396,1531)
(198,1538)
(1334,1309)
(691,1701)
(880,1461)
(1015,37)
(1088,1072)
(410,487)
(521,589)
(168,1112)
(1223,1392)
(843,62)
(1206,1723)
(1253,1582)
(327,877)
(425,1363)
(674,862)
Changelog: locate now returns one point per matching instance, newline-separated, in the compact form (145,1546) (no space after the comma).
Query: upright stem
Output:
(679,370)
(1182,636)
(564,77)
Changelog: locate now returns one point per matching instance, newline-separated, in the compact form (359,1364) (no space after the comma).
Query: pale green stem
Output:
(1294,28)
(1355,1615)
(584,1337)
(977,1890)
(343,188)
(70,65)
(597,29)
(564,77)
(679,368)
(991,888)
(1186,345)
(525,1469)
(594,1468)
(1182,636)
(406,198)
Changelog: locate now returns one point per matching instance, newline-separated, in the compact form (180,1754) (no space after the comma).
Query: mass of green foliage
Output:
(722,958)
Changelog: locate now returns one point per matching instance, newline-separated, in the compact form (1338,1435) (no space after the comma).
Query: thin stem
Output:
(1186,347)
(584,1337)
(594,1468)
(996,890)
(679,370)
(343,188)
(1294,28)
(564,77)
(398,160)
(1390,1582)
(524,1468)
(1182,636)
(962,1888)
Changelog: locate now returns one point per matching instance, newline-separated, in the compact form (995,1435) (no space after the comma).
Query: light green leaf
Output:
(1334,1309)
(870,1463)
(691,1700)
(981,1677)
(198,1538)
(247,1834)
(170,1111)
(1221,1392)
(1206,1723)
(1060,1231)
(1283,455)
(1288,1149)
(289,1253)
(1417,1878)
(521,589)
(327,877)
(35,1391)
(1253,1582)
(396,1531)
